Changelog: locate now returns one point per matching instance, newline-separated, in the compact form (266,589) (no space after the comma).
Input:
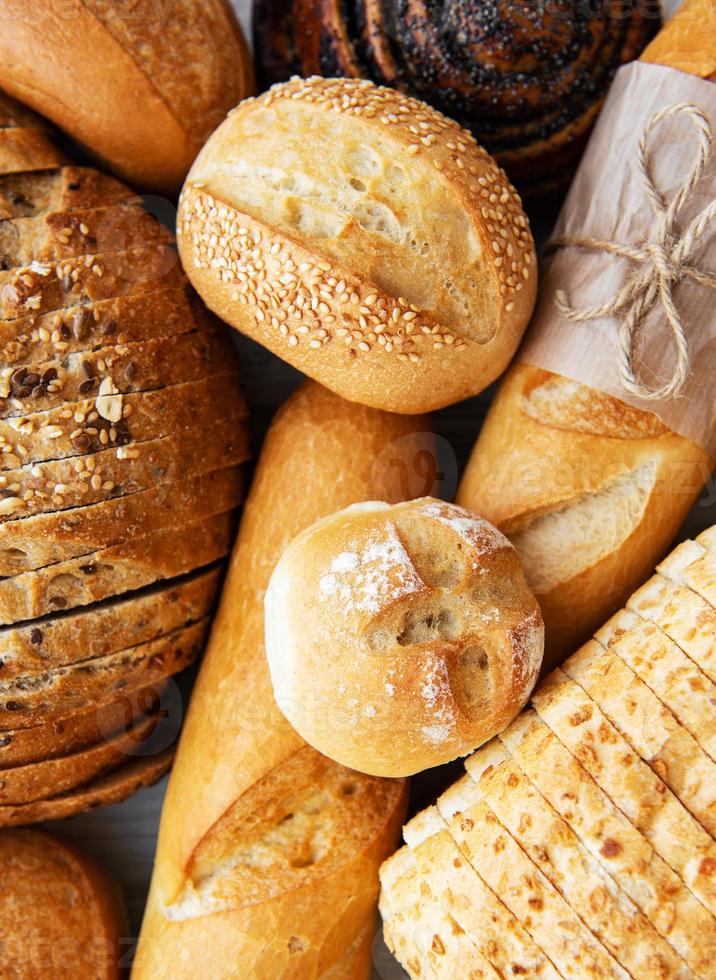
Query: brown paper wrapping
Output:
(608,201)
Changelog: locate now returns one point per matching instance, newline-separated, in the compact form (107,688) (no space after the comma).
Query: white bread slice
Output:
(46,539)
(641,796)
(613,841)
(83,635)
(463,894)
(554,848)
(523,888)
(649,727)
(123,567)
(674,677)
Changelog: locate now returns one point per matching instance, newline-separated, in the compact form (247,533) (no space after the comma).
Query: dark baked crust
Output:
(526,79)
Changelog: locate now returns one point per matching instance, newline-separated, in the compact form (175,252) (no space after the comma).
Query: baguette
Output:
(110,788)
(164,75)
(590,490)
(235,789)
(60,915)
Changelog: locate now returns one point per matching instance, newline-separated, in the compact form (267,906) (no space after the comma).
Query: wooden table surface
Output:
(123,837)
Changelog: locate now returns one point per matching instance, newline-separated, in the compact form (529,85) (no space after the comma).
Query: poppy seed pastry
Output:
(527,79)
(400,637)
(384,252)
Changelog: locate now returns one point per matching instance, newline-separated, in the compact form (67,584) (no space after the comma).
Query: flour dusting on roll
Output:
(400,637)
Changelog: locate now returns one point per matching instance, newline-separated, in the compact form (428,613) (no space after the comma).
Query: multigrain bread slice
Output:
(693,563)
(675,678)
(60,915)
(119,369)
(130,565)
(638,792)
(24,149)
(66,234)
(24,784)
(121,470)
(554,848)
(79,635)
(57,434)
(27,701)
(46,288)
(400,911)
(446,950)
(46,539)
(110,788)
(683,615)
(614,842)
(82,728)
(460,890)
(67,188)
(573,950)
(650,728)
(163,312)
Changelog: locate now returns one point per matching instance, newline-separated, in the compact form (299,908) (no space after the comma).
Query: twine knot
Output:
(661,264)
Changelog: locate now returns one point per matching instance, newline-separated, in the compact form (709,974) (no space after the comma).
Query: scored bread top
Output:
(389,240)
(401,637)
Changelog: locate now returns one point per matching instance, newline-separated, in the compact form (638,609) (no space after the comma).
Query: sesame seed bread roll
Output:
(268,852)
(401,637)
(381,254)
(139,86)
(591,491)
(60,915)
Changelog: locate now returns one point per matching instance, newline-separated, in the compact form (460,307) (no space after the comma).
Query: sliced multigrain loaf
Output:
(638,792)
(119,369)
(162,312)
(57,434)
(461,891)
(131,565)
(676,679)
(91,230)
(121,470)
(60,915)
(46,539)
(683,615)
(110,788)
(82,728)
(554,848)
(650,728)
(114,625)
(66,188)
(613,841)
(23,784)
(46,288)
(492,851)
(24,149)
(29,700)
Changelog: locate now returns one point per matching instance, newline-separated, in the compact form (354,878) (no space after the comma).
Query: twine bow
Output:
(663,263)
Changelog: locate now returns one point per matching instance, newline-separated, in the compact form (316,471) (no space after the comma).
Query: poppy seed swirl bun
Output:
(401,637)
(526,78)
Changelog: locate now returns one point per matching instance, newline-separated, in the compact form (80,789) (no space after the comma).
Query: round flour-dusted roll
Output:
(401,637)
(364,238)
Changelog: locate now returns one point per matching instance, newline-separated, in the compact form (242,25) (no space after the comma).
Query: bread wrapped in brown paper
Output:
(268,852)
(591,491)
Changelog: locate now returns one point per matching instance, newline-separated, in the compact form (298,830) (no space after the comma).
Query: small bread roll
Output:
(364,238)
(400,637)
